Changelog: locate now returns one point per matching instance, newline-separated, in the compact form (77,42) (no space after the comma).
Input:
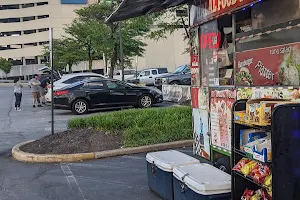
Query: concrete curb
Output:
(57,158)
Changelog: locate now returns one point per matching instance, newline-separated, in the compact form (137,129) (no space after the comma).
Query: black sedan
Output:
(82,96)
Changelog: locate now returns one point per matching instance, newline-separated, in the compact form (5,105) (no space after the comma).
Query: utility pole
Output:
(52,79)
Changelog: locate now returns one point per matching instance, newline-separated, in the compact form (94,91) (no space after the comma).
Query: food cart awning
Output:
(134,8)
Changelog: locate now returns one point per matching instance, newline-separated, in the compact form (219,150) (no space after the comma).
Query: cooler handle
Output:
(153,167)
(220,197)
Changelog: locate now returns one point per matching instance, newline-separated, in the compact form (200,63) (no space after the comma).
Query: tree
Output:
(98,38)
(65,53)
(5,65)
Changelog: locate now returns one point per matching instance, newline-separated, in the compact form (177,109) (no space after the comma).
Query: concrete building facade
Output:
(24,30)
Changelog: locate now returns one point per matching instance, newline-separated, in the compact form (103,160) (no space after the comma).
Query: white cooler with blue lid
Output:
(160,170)
(201,182)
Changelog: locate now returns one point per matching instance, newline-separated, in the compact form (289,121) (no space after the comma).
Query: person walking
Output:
(18,93)
(34,84)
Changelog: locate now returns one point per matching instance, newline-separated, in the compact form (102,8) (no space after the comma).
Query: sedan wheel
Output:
(80,107)
(145,101)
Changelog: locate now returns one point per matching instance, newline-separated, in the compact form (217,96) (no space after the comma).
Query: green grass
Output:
(142,126)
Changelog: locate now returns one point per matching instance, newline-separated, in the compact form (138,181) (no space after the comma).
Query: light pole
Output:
(52,79)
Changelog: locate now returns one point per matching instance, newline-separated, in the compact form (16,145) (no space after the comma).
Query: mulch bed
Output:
(74,141)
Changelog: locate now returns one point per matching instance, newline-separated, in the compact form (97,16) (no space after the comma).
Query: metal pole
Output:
(121,49)
(52,79)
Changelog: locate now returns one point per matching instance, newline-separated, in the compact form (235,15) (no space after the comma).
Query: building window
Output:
(44,43)
(27,5)
(29,32)
(14,33)
(25,19)
(10,20)
(42,3)
(43,29)
(43,16)
(9,7)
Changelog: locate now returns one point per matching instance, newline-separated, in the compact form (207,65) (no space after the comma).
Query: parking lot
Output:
(112,179)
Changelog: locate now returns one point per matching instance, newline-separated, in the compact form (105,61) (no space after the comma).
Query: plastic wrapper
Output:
(241,164)
(247,169)
(268,181)
(247,194)
(260,172)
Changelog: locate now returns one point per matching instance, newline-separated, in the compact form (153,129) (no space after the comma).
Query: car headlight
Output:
(165,80)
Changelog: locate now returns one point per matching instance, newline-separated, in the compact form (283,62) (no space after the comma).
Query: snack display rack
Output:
(284,128)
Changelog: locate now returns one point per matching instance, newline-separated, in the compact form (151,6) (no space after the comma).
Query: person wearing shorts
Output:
(34,84)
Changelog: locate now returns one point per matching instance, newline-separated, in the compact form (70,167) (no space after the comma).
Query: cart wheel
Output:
(223,163)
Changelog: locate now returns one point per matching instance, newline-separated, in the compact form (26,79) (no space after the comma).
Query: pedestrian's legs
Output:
(19,95)
(38,99)
(16,102)
(34,95)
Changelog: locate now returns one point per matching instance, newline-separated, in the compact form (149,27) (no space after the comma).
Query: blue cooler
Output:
(160,170)
(201,182)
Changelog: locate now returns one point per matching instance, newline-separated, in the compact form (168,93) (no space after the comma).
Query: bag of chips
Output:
(247,194)
(247,169)
(260,172)
(268,181)
(241,164)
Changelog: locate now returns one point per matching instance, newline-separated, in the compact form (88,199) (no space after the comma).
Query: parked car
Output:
(147,76)
(68,79)
(128,73)
(181,76)
(82,96)
(134,79)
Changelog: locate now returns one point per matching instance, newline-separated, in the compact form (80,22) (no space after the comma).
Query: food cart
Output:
(240,49)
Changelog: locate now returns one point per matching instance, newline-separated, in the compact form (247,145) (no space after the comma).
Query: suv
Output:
(147,76)
(181,76)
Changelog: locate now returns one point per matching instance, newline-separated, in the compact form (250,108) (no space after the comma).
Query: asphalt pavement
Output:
(120,178)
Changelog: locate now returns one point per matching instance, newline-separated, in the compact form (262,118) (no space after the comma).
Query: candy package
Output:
(241,164)
(247,169)
(247,194)
(260,172)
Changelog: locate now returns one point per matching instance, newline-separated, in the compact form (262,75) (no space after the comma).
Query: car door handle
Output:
(150,76)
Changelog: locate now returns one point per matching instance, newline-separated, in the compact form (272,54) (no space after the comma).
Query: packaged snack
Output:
(260,172)
(247,194)
(269,191)
(241,164)
(250,135)
(248,148)
(265,196)
(246,170)
(258,195)
(263,151)
(268,181)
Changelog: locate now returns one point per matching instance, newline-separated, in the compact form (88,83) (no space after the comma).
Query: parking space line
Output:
(71,179)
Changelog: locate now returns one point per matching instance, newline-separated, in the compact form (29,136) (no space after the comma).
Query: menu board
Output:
(277,65)
(270,93)
(221,102)
(209,44)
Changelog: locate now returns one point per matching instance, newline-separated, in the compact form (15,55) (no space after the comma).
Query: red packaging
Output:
(247,194)
(260,172)
(241,164)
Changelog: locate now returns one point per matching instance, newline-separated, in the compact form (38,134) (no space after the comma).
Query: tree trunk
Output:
(70,68)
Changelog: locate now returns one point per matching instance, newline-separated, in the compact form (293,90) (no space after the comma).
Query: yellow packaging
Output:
(259,111)
(248,167)
(240,116)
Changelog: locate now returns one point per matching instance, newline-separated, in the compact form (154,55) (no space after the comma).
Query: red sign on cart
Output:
(277,65)
(212,8)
